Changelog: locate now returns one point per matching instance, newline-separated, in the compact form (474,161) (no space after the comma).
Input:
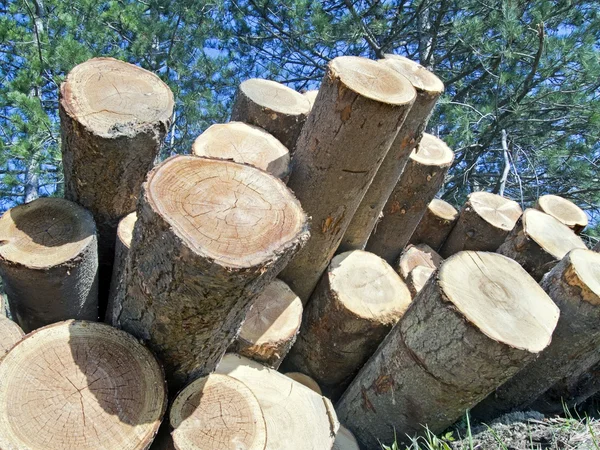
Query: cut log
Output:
(49,262)
(113,118)
(538,242)
(422,178)
(357,302)
(217,412)
(574,285)
(428,88)
(311,96)
(271,326)
(10,334)
(597,247)
(80,385)
(305,380)
(296,417)
(563,210)
(245,144)
(416,264)
(345,440)
(483,224)
(124,235)
(272,106)
(420,376)
(436,224)
(362,104)
(211,234)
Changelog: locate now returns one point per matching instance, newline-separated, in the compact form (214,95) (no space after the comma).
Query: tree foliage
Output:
(522,78)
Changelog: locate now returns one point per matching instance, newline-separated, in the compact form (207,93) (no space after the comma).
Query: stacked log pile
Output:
(397,336)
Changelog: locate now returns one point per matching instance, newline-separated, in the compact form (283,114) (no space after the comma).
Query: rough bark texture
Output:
(194,268)
(436,224)
(419,376)
(483,224)
(49,262)
(124,234)
(272,106)
(420,181)
(271,326)
(565,211)
(574,285)
(597,247)
(347,135)
(359,299)
(428,88)
(538,242)
(114,117)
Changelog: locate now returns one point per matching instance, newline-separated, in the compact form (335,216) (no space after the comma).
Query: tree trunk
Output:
(420,181)
(94,387)
(574,285)
(563,210)
(211,234)
(538,242)
(420,376)
(10,334)
(271,326)
(305,380)
(200,421)
(345,440)
(296,417)
(124,234)
(245,144)
(272,106)
(483,224)
(416,264)
(49,262)
(428,88)
(357,302)
(360,107)
(113,117)
(436,224)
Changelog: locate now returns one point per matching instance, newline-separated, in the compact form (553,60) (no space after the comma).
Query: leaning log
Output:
(483,224)
(358,300)
(360,107)
(436,224)
(272,106)
(563,210)
(420,376)
(80,385)
(574,285)
(49,262)
(428,88)
(10,334)
(271,325)
(416,264)
(538,242)
(422,178)
(245,144)
(210,235)
(113,118)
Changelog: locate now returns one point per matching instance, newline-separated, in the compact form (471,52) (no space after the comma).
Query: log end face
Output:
(10,334)
(584,273)
(498,211)
(125,229)
(275,97)
(421,78)
(443,210)
(432,151)
(564,211)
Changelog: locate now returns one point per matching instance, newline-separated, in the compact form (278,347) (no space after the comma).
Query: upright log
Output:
(436,224)
(483,224)
(271,325)
(360,107)
(422,178)
(80,385)
(428,88)
(563,210)
(272,106)
(217,412)
(124,235)
(211,234)
(296,416)
(416,264)
(10,334)
(538,242)
(49,262)
(245,144)
(113,118)
(420,376)
(357,302)
(574,285)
